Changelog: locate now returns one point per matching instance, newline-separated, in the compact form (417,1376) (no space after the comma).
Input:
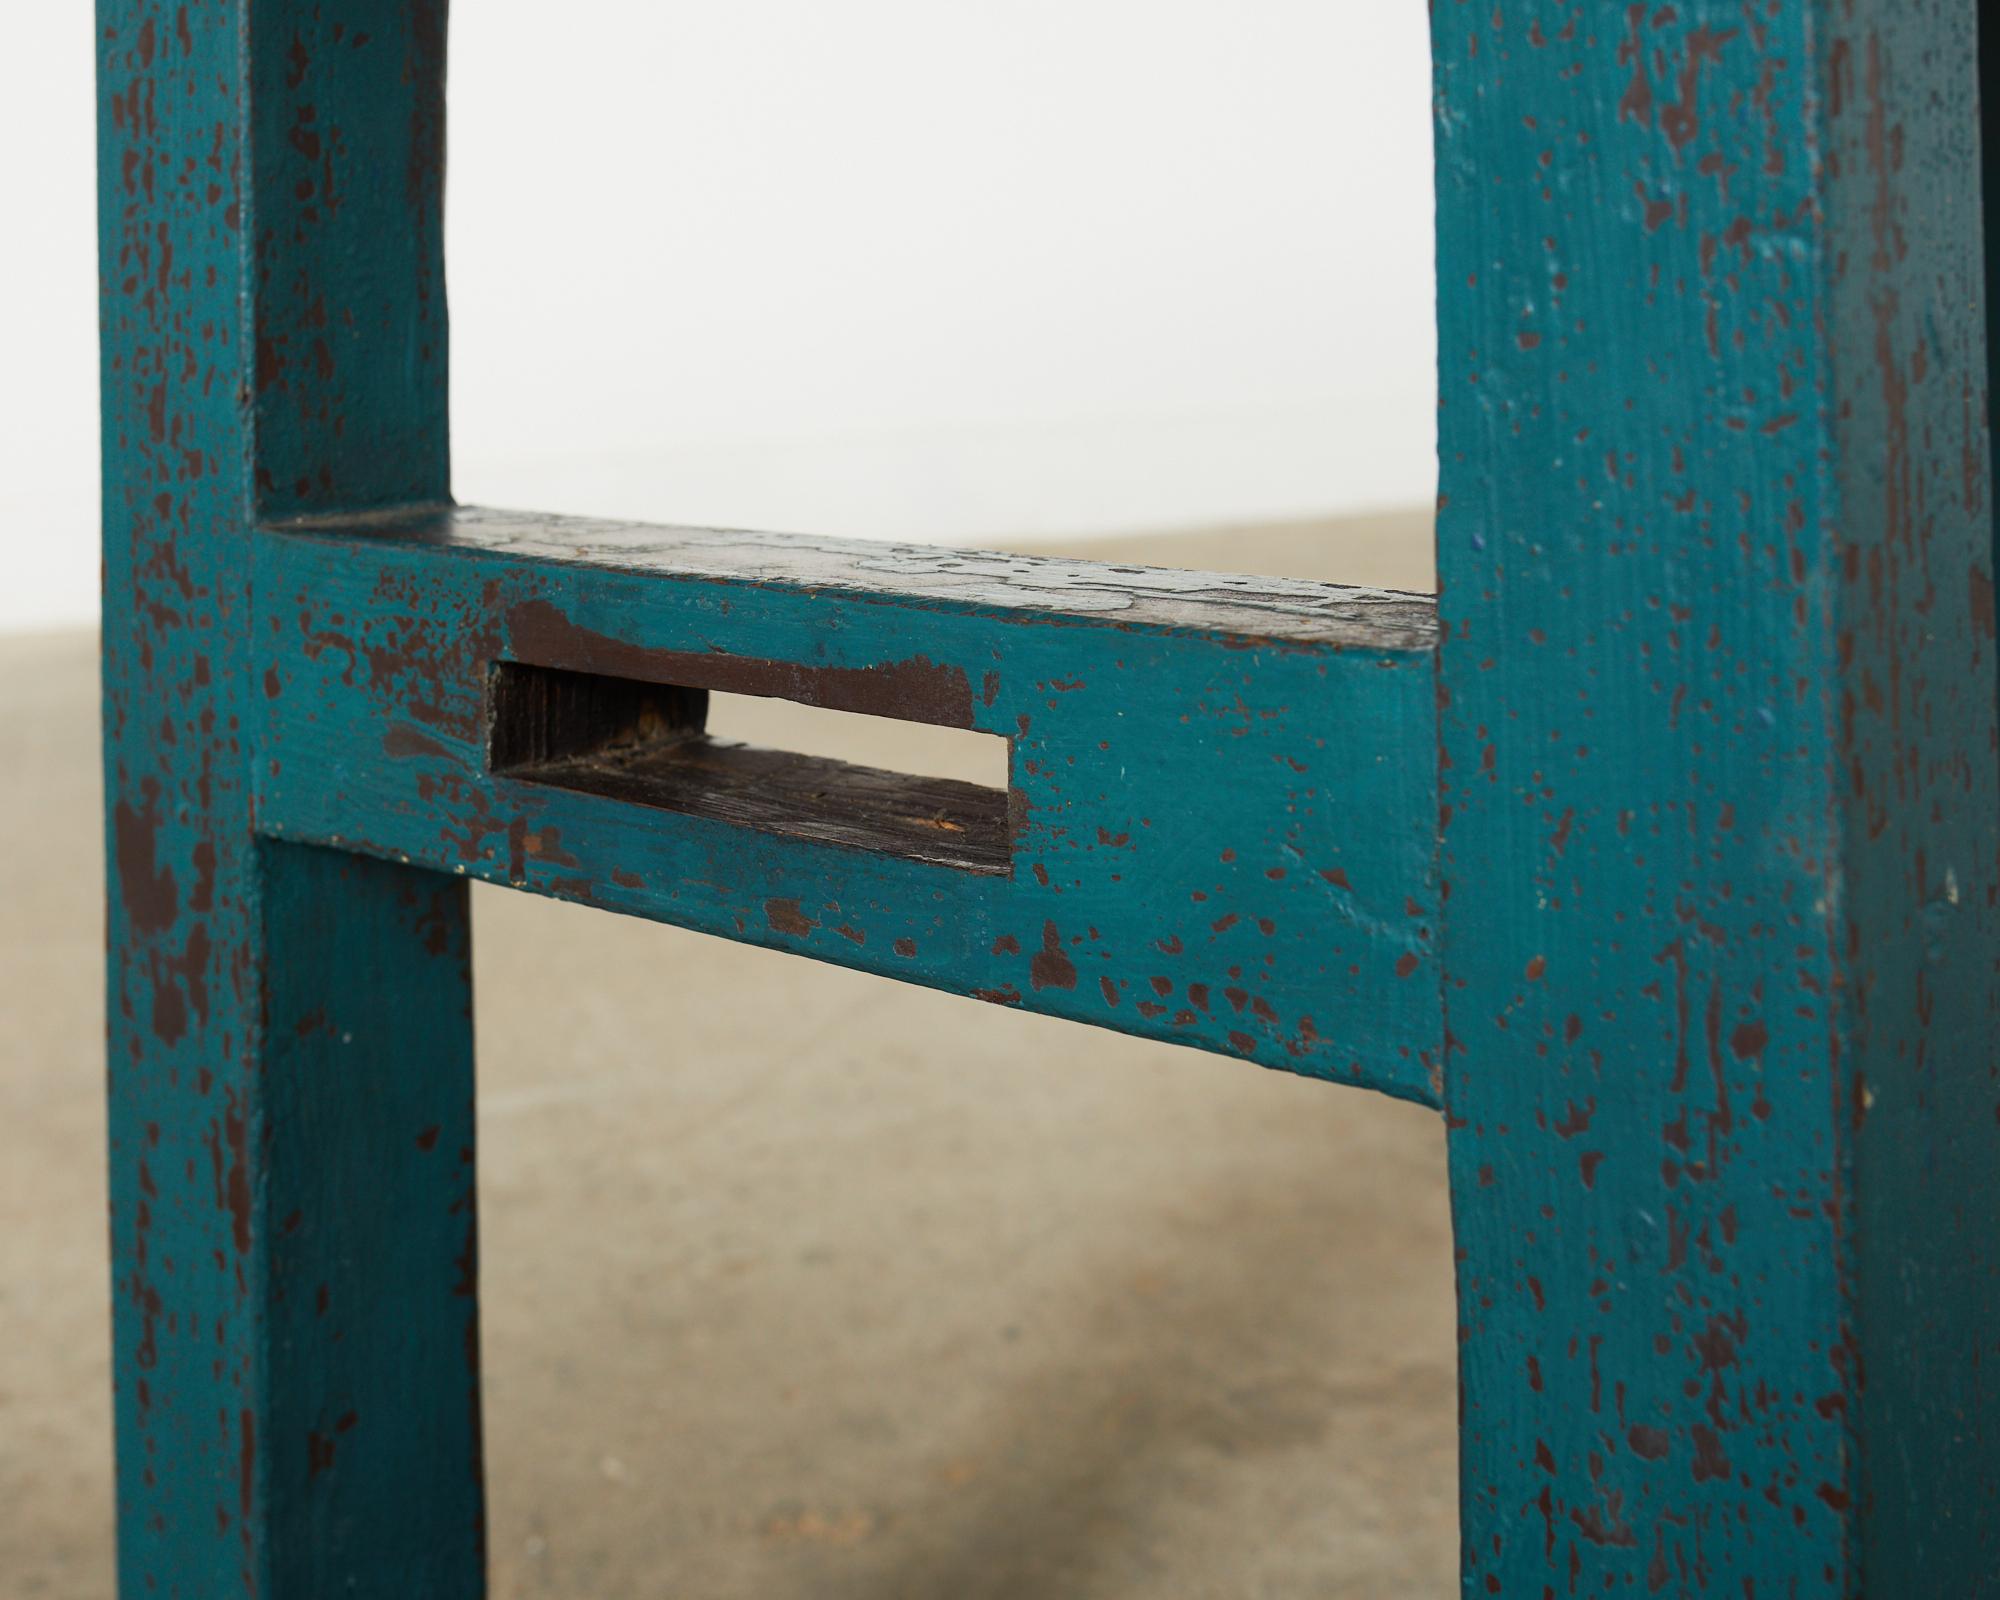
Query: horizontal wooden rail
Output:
(1220,815)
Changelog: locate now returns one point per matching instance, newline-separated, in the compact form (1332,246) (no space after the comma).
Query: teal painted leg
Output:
(293,1235)
(371,1246)
(1719,829)
(295,1242)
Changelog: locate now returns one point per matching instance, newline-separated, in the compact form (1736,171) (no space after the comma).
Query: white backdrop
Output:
(959,271)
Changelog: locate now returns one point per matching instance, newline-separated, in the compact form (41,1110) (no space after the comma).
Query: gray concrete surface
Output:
(828,1288)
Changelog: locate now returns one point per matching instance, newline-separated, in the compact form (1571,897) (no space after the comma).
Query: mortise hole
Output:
(931,794)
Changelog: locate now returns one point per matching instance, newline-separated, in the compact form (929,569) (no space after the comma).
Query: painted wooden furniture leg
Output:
(1715,676)
(290,1041)
(1719,821)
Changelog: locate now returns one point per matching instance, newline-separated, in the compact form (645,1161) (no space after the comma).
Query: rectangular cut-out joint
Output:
(645,744)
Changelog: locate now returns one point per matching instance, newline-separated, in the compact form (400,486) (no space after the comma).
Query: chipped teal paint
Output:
(1719,826)
(1718,781)
(347,265)
(1222,839)
(292,1231)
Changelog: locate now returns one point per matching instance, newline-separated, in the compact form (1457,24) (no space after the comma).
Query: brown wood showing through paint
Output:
(644,744)
(1251,608)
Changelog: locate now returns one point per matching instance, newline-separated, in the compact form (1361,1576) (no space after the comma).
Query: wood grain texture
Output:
(939,821)
(1719,783)
(1209,604)
(1218,836)
(292,1228)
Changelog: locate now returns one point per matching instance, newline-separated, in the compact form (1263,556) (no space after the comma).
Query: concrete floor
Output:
(847,1291)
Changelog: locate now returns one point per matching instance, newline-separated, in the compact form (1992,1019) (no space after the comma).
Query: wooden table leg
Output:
(1719,823)
(293,1232)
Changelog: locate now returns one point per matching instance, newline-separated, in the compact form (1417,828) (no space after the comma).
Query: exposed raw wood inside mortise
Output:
(648,744)
(540,715)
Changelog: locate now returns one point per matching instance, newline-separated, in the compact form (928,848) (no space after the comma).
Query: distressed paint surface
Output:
(292,1233)
(1716,692)
(1220,786)
(1717,699)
